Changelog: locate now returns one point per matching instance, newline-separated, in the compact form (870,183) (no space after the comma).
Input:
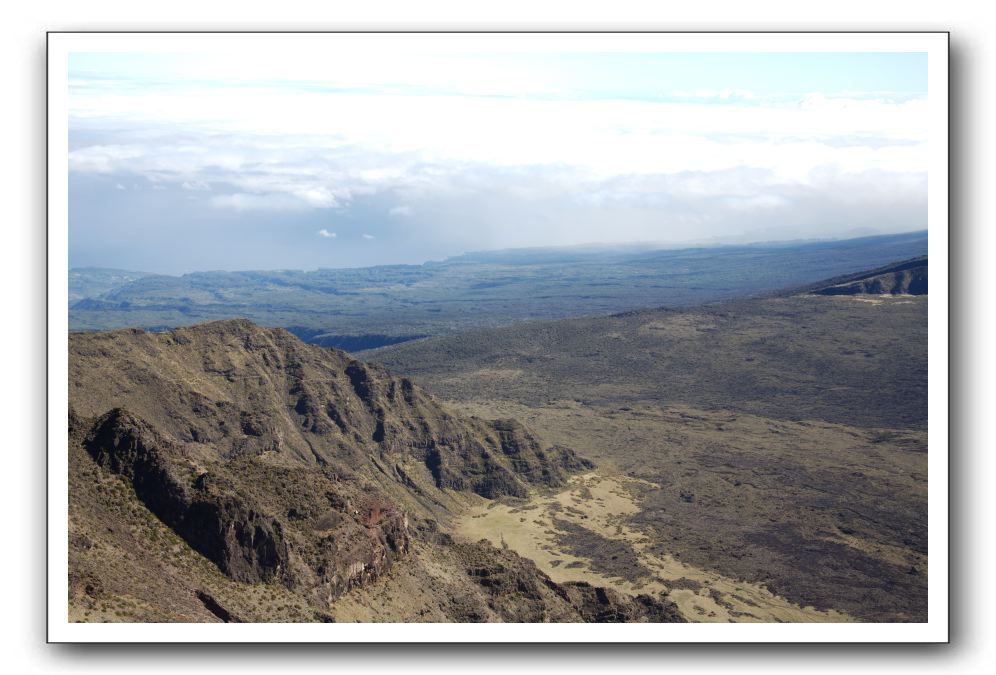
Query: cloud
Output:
(325,233)
(119,186)
(480,171)
(315,196)
(323,146)
(723,94)
(242,201)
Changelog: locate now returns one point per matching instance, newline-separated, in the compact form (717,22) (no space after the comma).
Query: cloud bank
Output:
(468,169)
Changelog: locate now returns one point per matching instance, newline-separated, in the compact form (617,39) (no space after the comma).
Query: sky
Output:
(238,159)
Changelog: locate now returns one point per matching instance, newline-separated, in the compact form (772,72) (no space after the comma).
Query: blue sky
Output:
(247,160)
(646,76)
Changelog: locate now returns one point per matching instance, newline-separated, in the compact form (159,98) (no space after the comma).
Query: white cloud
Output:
(520,165)
(195,185)
(605,136)
(242,201)
(318,197)
(325,233)
(119,186)
(368,236)
(723,94)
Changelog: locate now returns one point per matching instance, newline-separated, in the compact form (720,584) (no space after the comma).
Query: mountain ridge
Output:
(297,469)
(907,277)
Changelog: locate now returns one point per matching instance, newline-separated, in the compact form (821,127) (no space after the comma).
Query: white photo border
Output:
(934,44)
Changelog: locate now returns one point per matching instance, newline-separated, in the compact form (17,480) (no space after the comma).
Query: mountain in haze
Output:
(363,308)
(231,472)
(93,282)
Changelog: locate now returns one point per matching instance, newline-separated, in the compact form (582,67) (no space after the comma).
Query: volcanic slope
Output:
(227,472)
(779,442)
(906,278)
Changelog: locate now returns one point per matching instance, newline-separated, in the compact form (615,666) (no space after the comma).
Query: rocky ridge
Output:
(905,278)
(295,467)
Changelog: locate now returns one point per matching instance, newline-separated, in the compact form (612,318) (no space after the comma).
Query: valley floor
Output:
(761,460)
(740,517)
(584,534)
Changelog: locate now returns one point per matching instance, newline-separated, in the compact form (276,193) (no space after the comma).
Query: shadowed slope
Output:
(905,278)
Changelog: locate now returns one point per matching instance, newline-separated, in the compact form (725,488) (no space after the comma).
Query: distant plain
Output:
(363,308)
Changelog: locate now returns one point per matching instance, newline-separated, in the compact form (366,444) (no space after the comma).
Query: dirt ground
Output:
(741,517)
(576,535)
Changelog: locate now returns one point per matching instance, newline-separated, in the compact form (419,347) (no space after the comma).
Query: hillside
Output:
(841,360)
(775,441)
(230,472)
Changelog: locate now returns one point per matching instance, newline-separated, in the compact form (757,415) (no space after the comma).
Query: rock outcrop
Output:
(207,512)
(520,592)
(236,390)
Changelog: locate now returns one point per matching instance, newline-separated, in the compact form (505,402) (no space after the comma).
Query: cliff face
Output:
(205,510)
(231,389)
(291,466)
(304,527)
